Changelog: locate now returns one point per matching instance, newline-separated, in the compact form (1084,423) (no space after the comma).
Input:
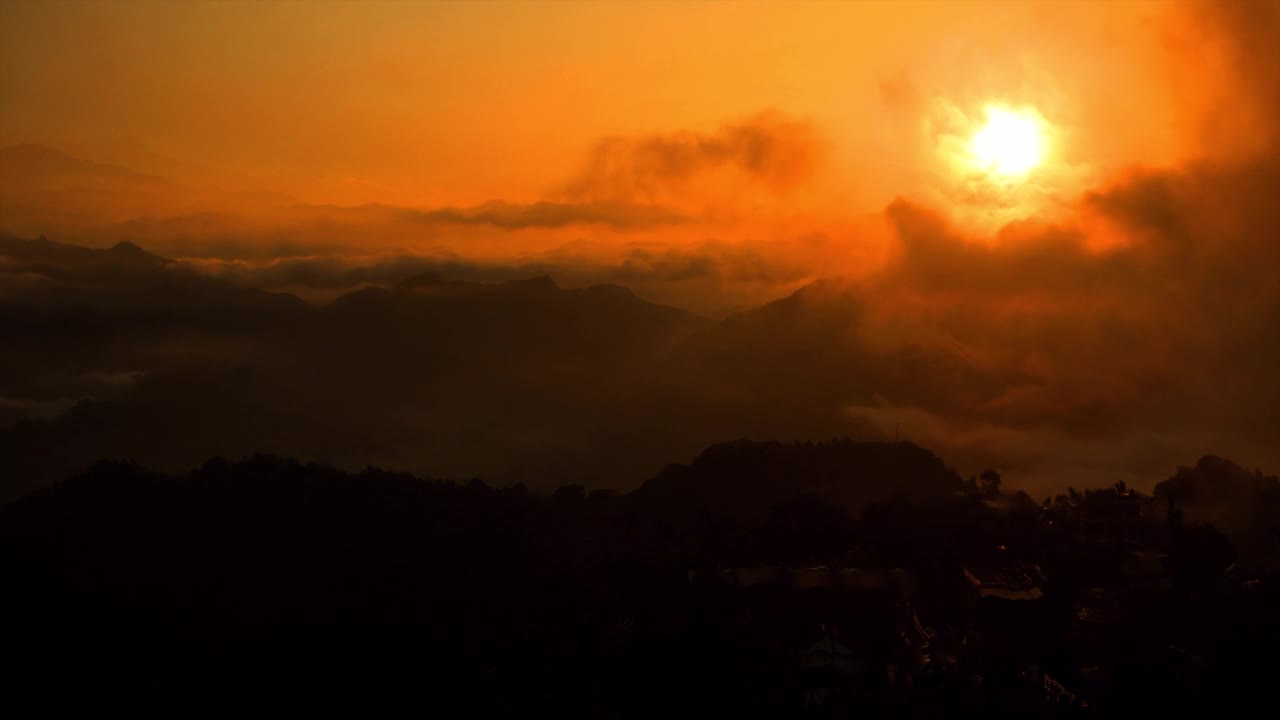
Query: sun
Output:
(1011,144)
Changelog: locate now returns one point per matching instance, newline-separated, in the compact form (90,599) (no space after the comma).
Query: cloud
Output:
(1136,327)
(511,216)
(769,150)
(711,278)
(1137,330)
(1239,81)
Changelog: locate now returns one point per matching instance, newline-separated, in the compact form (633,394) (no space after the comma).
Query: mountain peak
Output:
(31,150)
(125,246)
(31,165)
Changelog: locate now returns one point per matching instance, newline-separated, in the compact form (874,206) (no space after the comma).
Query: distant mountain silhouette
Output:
(46,191)
(119,353)
(818,347)
(509,379)
(519,380)
(37,167)
(61,260)
(131,152)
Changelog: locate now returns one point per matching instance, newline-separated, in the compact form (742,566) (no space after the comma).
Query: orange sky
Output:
(717,157)
(435,103)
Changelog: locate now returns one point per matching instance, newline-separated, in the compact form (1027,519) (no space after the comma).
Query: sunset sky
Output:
(431,105)
(601,357)
(442,104)
(1072,200)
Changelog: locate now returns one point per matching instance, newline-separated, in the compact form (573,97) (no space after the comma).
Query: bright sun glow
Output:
(1011,144)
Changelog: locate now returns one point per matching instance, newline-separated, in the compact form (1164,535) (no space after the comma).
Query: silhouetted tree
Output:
(990,483)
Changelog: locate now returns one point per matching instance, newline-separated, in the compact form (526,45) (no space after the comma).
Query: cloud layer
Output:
(1134,327)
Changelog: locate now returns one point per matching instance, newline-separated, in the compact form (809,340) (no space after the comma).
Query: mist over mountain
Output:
(37,167)
(119,353)
(623,360)
(394,375)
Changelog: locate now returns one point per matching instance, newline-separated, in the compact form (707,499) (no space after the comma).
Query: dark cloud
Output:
(1139,332)
(1092,359)
(510,216)
(710,278)
(1159,337)
(1248,34)
(770,149)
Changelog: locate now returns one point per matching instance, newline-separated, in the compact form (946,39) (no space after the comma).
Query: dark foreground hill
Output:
(741,481)
(873,582)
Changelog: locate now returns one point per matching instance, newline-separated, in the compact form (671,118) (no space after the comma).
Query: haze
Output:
(791,191)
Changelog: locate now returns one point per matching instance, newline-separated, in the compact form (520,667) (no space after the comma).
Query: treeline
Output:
(269,580)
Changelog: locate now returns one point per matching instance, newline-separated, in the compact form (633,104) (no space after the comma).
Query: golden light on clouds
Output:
(970,109)
(1026,186)
(997,160)
(1011,144)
